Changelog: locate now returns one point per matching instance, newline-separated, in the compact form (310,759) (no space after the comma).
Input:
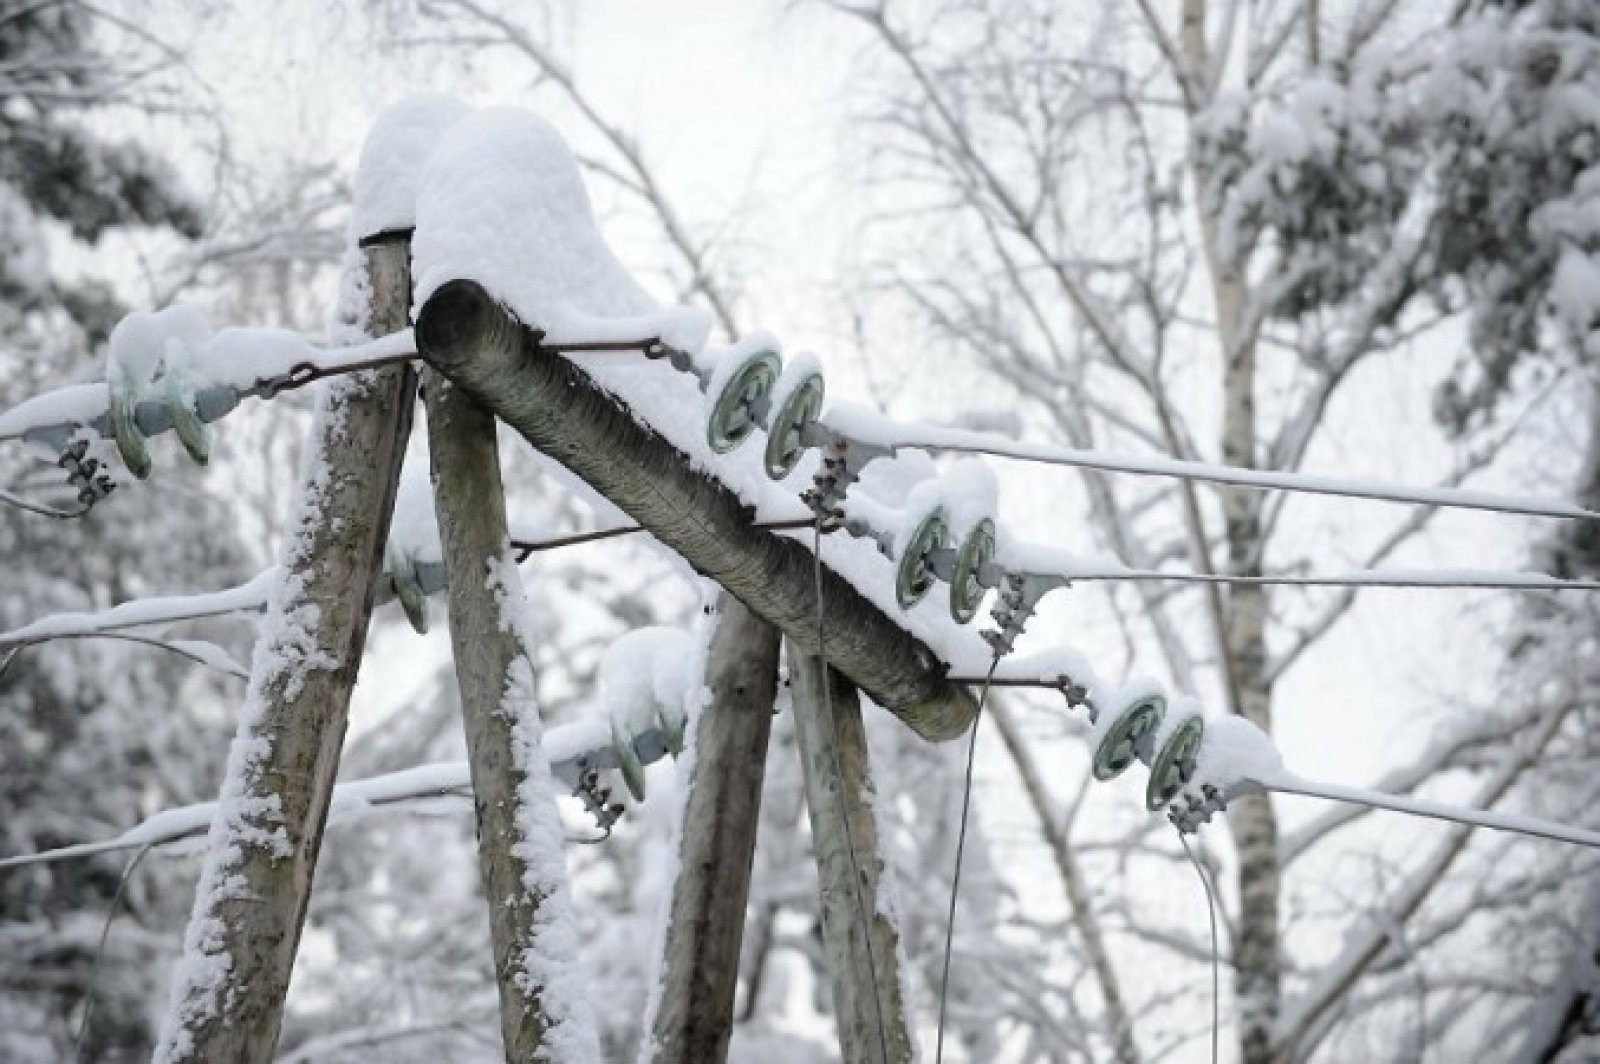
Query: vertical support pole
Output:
(859,934)
(543,1013)
(239,948)
(693,996)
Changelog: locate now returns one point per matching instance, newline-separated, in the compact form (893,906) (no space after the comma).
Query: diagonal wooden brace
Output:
(469,337)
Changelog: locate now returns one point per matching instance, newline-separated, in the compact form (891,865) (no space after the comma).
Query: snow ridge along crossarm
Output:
(470,338)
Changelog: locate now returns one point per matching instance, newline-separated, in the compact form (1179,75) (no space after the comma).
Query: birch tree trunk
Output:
(543,1013)
(228,992)
(693,1010)
(863,948)
(1258,987)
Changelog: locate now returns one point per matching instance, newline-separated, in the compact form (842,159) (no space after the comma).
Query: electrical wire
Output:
(105,935)
(961,843)
(1464,579)
(1461,579)
(42,510)
(965,442)
(527,547)
(1216,965)
(826,681)
(1534,827)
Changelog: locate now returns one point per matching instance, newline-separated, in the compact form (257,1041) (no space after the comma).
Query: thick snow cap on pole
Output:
(464,332)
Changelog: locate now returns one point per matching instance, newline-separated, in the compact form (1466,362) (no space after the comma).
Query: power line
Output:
(1536,827)
(963,441)
(1463,579)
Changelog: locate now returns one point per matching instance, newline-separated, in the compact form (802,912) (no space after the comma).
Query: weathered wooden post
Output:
(859,934)
(519,828)
(239,948)
(692,999)
(469,337)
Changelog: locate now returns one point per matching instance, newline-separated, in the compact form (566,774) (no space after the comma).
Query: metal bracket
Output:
(843,459)
(1019,595)
(1188,811)
(84,474)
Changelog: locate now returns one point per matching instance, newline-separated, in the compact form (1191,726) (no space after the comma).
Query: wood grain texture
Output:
(264,847)
(553,404)
(859,936)
(722,810)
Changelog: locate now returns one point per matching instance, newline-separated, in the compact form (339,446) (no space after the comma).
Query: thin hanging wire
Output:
(838,769)
(961,843)
(527,547)
(105,934)
(1216,965)
(41,509)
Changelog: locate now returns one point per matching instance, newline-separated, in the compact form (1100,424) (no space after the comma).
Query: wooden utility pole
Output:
(693,1009)
(465,334)
(859,934)
(239,948)
(526,890)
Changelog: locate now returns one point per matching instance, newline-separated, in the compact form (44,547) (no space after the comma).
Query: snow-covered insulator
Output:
(1176,745)
(739,394)
(124,391)
(183,410)
(1232,760)
(1124,729)
(914,575)
(796,404)
(967,586)
(408,589)
(628,761)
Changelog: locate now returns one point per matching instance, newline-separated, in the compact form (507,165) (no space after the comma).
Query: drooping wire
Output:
(41,509)
(525,548)
(227,669)
(1216,965)
(838,769)
(961,843)
(99,952)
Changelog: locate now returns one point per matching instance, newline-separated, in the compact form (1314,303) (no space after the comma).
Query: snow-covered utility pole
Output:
(228,992)
(859,932)
(543,1015)
(466,334)
(724,765)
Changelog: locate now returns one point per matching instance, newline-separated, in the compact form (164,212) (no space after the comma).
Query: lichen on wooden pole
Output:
(543,1013)
(469,337)
(228,992)
(860,937)
(692,998)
